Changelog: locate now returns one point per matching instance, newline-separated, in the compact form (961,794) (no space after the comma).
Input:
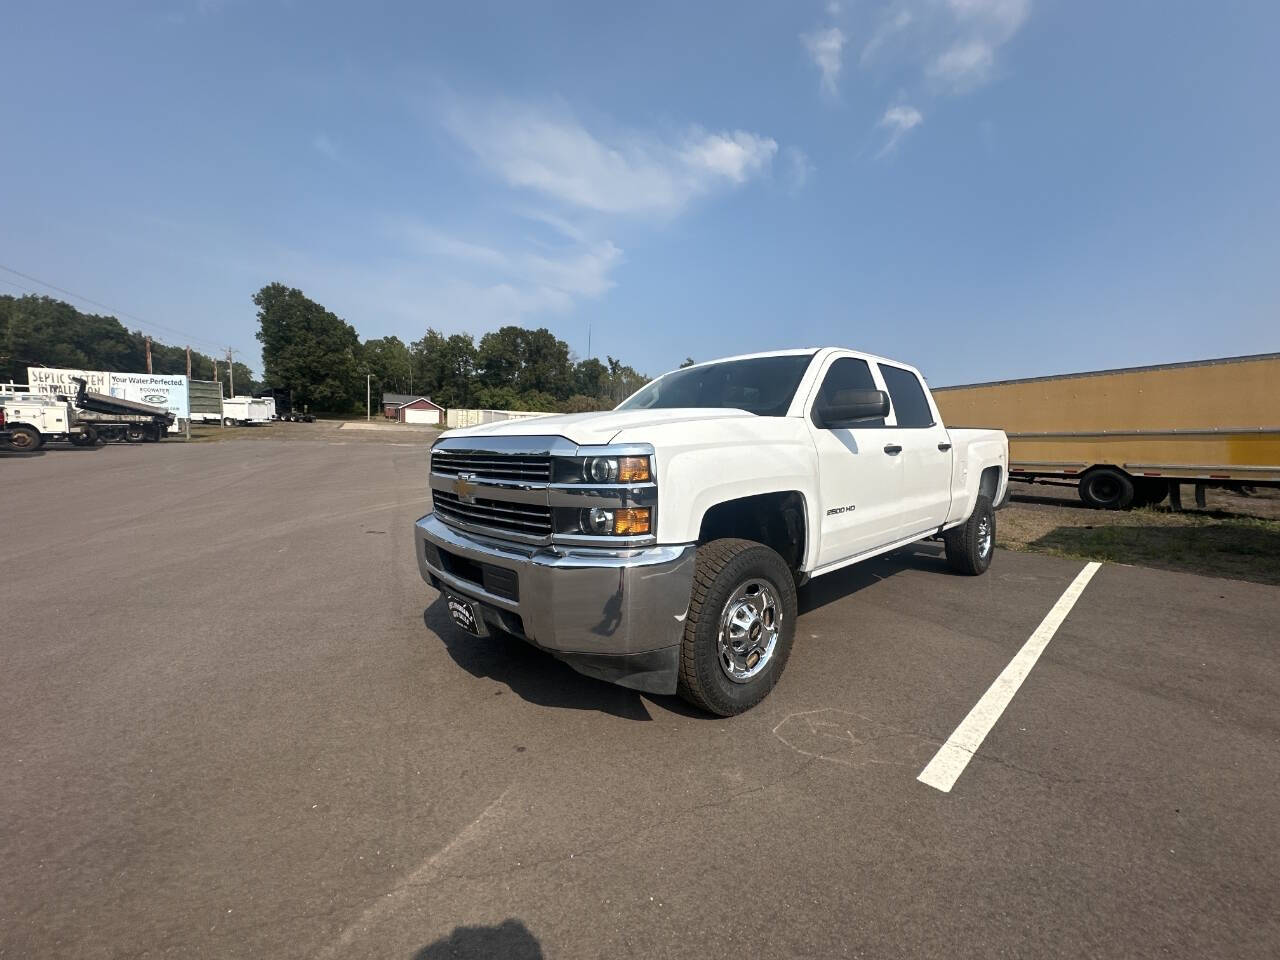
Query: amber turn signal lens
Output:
(633,469)
(631,521)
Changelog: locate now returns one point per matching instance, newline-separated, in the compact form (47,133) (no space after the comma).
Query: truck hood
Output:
(596,428)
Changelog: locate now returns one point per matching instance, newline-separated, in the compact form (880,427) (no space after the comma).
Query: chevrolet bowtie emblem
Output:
(464,489)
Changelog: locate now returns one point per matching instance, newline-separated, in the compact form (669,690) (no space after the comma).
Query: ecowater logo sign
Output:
(159,390)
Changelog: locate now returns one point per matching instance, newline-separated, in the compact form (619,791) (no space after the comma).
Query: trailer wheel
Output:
(25,439)
(228,422)
(134,434)
(1107,489)
(86,438)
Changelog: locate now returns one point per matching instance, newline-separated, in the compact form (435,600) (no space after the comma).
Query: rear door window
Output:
(907,395)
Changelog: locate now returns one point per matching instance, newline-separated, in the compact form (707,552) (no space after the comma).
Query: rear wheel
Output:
(1107,489)
(86,438)
(25,439)
(740,627)
(134,434)
(971,545)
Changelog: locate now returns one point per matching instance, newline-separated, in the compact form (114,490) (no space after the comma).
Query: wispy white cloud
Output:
(577,270)
(547,150)
(964,65)
(899,121)
(826,49)
(893,23)
(950,44)
(324,144)
(980,28)
(797,168)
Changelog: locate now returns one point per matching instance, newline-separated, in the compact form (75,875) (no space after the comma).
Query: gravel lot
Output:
(237,724)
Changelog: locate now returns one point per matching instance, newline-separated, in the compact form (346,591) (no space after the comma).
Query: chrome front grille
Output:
(534,469)
(528,519)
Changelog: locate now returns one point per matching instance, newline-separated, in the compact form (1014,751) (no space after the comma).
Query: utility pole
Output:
(231,373)
(188,362)
(588,339)
(148,342)
(368,396)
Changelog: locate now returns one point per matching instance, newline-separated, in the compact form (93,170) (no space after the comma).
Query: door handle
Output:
(892,449)
(944,447)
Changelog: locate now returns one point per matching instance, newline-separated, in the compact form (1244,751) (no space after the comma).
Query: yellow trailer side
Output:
(1215,422)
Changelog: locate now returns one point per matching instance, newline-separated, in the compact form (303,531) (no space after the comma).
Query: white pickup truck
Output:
(660,545)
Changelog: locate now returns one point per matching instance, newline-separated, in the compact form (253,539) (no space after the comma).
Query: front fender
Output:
(699,472)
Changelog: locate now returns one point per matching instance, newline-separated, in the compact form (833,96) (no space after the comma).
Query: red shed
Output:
(409,408)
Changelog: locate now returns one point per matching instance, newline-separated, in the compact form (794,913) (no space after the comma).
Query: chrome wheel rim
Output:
(985,537)
(750,625)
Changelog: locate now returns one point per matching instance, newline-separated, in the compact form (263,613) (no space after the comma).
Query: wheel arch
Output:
(777,519)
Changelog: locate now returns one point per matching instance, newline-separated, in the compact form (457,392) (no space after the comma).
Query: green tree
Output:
(391,364)
(590,378)
(528,360)
(444,367)
(309,350)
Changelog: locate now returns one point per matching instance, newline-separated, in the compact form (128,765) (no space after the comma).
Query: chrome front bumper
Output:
(615,614)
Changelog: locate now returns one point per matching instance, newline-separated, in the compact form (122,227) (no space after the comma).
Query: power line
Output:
(113,310)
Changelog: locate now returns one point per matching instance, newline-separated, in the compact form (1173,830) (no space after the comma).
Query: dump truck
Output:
(1132,436)
(114,418)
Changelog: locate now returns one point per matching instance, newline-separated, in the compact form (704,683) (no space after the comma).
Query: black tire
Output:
(25,439)
(1107,489)
(134,434)
(86,438)
(971,545)
(228,422)
(723,568)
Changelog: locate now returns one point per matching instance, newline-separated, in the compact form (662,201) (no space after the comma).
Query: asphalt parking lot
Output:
(237,724)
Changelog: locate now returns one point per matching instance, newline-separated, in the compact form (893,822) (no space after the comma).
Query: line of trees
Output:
(320,357)
(41,331)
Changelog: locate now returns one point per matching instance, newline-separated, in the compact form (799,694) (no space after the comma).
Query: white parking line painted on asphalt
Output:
(949,762)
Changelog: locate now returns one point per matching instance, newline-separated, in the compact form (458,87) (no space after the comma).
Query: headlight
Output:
(622,522)
(597,521)
(616,470)
(600,469)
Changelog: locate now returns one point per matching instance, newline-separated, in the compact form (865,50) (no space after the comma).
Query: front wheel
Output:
(970,545)
(740,627)
(25,439)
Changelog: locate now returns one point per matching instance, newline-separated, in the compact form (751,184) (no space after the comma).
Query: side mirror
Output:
(853,407)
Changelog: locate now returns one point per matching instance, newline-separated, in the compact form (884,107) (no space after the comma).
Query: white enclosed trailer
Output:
(242,411)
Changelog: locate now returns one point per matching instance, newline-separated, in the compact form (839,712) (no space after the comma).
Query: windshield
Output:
(759,385)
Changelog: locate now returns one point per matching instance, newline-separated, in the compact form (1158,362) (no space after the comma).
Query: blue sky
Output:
(985,188)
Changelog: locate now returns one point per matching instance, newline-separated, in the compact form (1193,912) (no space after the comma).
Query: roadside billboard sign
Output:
(157,389)
(53,380)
